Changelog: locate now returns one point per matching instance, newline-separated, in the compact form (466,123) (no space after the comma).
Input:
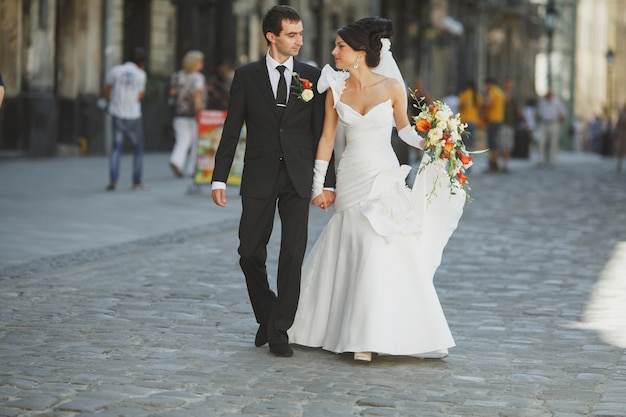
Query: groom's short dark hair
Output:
(273,20)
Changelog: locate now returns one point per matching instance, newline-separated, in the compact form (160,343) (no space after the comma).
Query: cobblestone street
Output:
(155,321)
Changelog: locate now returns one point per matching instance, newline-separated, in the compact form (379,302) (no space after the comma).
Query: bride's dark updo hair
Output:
(365,35)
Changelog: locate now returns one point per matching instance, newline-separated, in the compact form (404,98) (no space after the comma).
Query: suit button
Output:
(282,130)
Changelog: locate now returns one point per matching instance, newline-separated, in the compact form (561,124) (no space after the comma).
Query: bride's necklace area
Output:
(354,87)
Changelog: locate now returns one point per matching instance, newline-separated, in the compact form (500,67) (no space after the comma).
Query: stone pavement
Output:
(132,303)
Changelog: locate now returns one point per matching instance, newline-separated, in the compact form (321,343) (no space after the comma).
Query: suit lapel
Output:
(265,86)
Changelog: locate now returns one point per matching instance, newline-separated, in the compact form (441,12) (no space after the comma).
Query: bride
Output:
(367,284)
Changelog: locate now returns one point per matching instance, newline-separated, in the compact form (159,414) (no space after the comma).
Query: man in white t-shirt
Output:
(124,89)
(551,113)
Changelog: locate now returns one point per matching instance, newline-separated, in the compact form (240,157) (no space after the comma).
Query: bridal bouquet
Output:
(443,134)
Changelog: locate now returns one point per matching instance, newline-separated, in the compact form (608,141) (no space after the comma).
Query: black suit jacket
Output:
(294,136)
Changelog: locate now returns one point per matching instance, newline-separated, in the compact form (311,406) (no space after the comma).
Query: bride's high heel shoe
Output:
(363,356)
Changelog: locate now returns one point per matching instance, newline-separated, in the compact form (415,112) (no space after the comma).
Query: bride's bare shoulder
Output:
(386,83)
(393,83)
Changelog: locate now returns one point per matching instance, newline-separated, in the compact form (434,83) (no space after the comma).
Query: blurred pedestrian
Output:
(218,87)
(1,89)
(594,133)
(124,90)
(551,113)
(576,133)
(470,103)
(452,100)
(529,114)
(512,115)
(187,88)
(620,138)
(493,112)
(606,142)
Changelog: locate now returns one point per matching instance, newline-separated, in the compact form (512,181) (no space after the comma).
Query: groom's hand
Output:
(219,197)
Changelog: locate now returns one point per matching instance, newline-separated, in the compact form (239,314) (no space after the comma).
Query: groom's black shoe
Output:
(261,336)
(282,350)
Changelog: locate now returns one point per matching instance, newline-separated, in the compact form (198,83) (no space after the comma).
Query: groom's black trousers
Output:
(276,311)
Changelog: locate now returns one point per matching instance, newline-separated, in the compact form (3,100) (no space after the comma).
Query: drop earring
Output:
(356,64)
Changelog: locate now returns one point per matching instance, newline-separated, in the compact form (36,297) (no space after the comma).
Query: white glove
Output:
(319,175)
(410,136)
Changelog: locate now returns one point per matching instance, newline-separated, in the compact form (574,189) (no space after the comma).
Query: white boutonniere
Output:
(301,87)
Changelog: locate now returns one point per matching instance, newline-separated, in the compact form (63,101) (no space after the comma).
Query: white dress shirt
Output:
(275,74)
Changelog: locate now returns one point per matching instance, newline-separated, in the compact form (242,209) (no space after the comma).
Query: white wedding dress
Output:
(367,284)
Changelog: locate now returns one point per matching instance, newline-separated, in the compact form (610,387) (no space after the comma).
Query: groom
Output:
(283,129)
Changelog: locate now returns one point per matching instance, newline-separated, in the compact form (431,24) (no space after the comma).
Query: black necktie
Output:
(281,92)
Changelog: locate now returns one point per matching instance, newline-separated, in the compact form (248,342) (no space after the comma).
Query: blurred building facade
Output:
(601,58)
(54,54)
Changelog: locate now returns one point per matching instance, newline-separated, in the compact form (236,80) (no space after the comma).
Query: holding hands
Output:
(320,197)
(324,200)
